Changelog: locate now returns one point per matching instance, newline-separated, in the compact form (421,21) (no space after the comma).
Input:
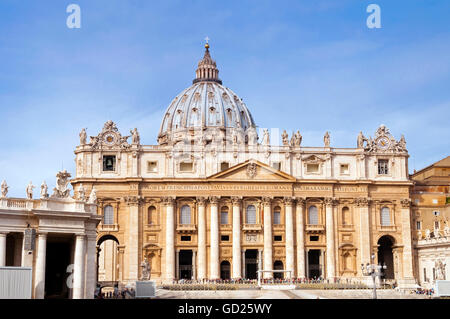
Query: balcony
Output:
(186,228)
(314,229)
(251,228)
(108,228)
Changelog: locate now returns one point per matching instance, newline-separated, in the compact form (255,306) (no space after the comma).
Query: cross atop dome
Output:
(207,69)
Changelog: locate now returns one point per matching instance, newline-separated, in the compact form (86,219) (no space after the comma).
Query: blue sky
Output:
(307,65)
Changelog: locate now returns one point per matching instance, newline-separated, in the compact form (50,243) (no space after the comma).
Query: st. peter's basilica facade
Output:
(212,200)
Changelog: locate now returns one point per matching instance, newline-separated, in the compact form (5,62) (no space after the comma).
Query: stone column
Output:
(78,270)
(201,238)
(91,266)
(132,238)
(301,270)
(214,239)
(331,260)
(260,255)
(194,265)
(3,249)
(289,224)
(408,272)
(39,272)
(268,264)
(170,238)
(364,230)
(236,238)
(18,251)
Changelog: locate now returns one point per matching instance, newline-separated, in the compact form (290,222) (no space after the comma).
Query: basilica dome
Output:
(205,105)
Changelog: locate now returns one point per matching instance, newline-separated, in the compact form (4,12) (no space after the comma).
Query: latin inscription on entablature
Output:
(218,187)
(350,189)
(317,188)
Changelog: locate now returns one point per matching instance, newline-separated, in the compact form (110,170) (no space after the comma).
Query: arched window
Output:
(385,217)
(185,215)
(277,215)
(108,215)
(313,215)
(251,214)
(346,218)
(224,215)
(152,219)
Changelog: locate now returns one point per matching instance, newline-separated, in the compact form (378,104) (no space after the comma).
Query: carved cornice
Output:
(133,200)
(406,203)
(214,200)
(363,201)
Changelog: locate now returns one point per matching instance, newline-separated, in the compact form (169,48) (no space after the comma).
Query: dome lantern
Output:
(207,69)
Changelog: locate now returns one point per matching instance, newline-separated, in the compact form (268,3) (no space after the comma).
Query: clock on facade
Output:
(109,139)
(383,142)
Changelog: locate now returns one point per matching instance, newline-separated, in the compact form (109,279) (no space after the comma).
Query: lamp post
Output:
(373,270)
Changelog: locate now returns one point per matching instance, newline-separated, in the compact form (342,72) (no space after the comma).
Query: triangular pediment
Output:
(312,159)
(252,170)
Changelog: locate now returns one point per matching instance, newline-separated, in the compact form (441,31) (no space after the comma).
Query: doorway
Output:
(185,264)
(314,269)
(225,270)
(278,265)
(56,268)
(251,263)
(386,256)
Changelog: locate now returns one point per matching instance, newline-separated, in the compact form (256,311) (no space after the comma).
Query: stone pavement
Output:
(285,294)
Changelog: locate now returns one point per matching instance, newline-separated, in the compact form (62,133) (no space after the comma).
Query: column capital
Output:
(363,201)
(201,201)
(133,200)
(168,200)
(266,200)
(236,200)
(288,200)
(42,234)
(406,203)
(331,201)
(301,201)
(214,200)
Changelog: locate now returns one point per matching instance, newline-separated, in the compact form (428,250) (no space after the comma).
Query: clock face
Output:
(109,139)
(383,143)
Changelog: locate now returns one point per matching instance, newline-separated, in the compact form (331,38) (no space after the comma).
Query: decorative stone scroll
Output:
(214,200)
(201,201)
(406,203)
(62,182)
(168,201)
(331,201)
(110,138)
(288,201)
(235,200)
(363,201)
(301,201)
(133,200)
(382,142)
(251,170)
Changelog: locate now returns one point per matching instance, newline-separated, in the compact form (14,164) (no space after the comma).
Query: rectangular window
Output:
(109,163)
(344,169)
(418,225)
(425,275)
(224,166)
(186,167)
(383,167)
(277,238)
(312,168)
(152,167)
(224,218)
(276,165)
(313,238)
(277,218)
(224,238)
(185,238)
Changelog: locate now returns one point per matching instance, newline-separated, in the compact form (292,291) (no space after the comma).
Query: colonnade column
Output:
(289,222)
(331,260)
(170,237)
(132,237)
(201,238)
(177,264)
(3,249)
(244,275)
(214,240)
(301,273)
(78,270)
(39,273)
(194,265)
(236,238)
(267,237)
(91,271)
(364,230)
(408,272)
